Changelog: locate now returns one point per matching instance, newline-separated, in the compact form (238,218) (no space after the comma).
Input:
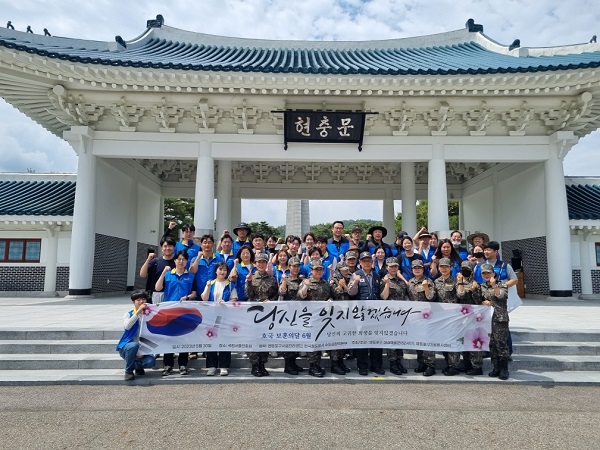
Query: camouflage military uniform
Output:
(499,340)
(291,293)
(397,291)
(416,293)
(446,293)
(262,287)
(319,290)
(339,294)
(471,296)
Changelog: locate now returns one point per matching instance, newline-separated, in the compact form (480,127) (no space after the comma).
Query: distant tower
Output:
(297,220)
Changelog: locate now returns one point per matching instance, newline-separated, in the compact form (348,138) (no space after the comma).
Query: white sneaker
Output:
(224,372)
(212,371)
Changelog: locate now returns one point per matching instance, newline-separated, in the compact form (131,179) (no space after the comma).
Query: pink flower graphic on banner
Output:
(235,328)
(466,310)
(476,339)
(426,314)
(479,318)
(211,332)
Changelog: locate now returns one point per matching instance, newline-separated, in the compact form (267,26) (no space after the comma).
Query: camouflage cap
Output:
(294,261)
(392,261)
(262,257)
(341,265)
(417,263)
(316,264)
(445,262)
(351,255)
(366,255)
(487,268)
(466,264)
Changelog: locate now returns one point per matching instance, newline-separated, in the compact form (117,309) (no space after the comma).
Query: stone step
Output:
(553,336)
(32,361)
(58,346)
(54,335)
(557,348)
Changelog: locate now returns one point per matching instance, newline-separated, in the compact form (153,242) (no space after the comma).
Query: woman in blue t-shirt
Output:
(244,264)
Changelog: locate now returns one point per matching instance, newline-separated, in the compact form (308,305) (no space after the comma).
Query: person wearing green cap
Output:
(445,289)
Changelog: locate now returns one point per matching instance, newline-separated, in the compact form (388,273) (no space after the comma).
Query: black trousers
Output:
(222,360)
(182,359)
(364,356)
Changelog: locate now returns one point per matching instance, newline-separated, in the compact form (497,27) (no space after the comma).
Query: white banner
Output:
(175,327)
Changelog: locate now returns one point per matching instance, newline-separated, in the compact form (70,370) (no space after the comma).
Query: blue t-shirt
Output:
(240,284)
(177,286)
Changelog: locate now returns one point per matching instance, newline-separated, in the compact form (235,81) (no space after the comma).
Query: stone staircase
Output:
(48,350)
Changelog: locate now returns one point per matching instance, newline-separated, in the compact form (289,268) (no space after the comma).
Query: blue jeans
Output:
(129,354)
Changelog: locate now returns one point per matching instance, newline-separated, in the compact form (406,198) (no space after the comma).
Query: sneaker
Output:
(129,376)
(211,372)
(183,370)
(224,372)
(168,370)
(140,372)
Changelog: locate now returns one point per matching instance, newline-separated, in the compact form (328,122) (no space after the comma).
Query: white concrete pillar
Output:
(204,211)
(437,191)
(586,267)
(236,210)
(389,217)
(161,220)
(51,258)
(84,214)
(409,197)
(132,232)
(497,209)
(558,235)
(461,215)
(224,196)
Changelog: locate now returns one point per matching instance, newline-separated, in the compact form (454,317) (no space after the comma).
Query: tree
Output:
(422,214)
(263,228)
(180,210)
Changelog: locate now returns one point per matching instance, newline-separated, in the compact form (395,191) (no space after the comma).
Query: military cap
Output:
(262,257)
(445,262)
(466,264)
(417,263)
(365,255)
(350,255)
(341,265)
(316,264)
(357,228)
(487,268)
(392,261)
(293,261)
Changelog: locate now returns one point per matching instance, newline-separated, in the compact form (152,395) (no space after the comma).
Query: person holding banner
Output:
(288,290)
(467,291)
(495,293)
(129,343)
(260,287)
(421,289)
(178,284)
(445,288)
(393,287)
(219,290)
(316,288)
(366,286)
(339,281)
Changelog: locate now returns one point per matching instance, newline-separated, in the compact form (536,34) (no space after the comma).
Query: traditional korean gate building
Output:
(180,114)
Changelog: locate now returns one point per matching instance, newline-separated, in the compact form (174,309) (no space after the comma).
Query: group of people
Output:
(252,267)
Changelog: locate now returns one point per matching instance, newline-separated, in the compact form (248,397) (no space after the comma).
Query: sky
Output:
(543,23)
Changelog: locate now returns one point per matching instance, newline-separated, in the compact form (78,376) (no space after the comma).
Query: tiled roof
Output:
(37,198)
(583,201)
(371,58)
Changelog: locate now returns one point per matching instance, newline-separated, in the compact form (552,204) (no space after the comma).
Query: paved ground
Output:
(300,416)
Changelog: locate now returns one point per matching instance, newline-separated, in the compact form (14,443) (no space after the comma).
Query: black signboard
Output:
(324,126)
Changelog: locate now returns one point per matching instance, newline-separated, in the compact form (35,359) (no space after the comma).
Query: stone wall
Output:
(22,278)
(110,264)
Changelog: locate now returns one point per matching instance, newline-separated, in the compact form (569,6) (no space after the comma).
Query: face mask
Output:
(456,243)
(478,254)
(465,273)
